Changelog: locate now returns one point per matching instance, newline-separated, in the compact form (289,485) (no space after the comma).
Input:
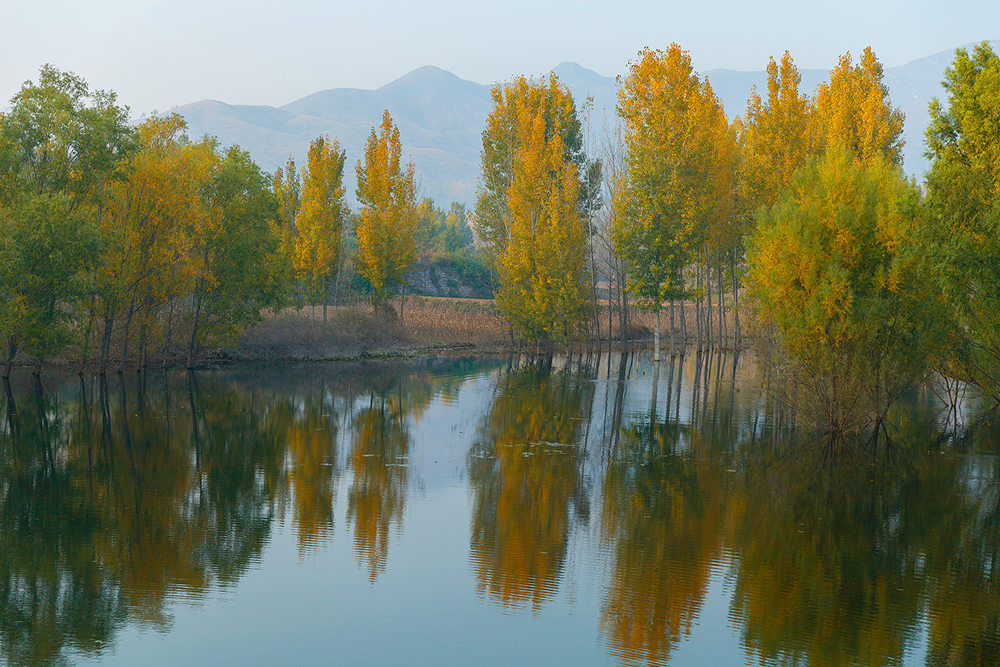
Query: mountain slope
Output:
(441,117)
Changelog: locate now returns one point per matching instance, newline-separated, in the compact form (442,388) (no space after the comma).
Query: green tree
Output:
(235,246)
(963,204)
(46,246)
(62,150)
(678,174)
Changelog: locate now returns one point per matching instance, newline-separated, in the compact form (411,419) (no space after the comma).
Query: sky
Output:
(157,54)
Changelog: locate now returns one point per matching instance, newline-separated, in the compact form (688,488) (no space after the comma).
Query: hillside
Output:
(441,117)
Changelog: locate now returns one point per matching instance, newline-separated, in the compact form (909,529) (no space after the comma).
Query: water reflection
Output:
(663,512)
(381,471)
(118,499)
(525,471)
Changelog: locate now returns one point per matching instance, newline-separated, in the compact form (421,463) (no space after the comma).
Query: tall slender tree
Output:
(320,222)
(675,179)
(387,215)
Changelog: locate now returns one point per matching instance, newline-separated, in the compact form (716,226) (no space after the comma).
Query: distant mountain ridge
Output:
(441,117)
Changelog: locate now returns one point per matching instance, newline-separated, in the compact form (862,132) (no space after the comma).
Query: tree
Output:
(145,263)
(387,216)
(530,208)
(962,236)
(501,139)
(854,110)
(543,269)
(677,173)
(62,150)
(320,222)
(834,271)
(45,247)
(234,246)
(776,137)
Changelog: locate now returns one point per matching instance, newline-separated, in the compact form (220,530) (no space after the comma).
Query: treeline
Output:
(132,242)
(859,282)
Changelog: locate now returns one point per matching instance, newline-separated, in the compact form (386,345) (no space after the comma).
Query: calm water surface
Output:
(585,511)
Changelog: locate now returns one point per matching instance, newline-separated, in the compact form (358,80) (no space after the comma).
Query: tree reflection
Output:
(525,472)
(381,472)
(663,511)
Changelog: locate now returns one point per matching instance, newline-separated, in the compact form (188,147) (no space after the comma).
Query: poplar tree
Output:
(542,269)
(530,208)
(320,222)
(853,109)
(387,215)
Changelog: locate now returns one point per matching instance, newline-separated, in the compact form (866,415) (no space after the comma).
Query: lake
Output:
(476,511)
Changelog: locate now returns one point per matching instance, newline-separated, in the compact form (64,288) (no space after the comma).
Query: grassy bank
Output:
(425,323)
(354,331)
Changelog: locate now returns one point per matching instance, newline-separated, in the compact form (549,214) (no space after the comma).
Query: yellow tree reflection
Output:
(381,472)
(525,472)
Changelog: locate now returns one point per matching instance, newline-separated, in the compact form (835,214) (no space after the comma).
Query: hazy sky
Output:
(161,53)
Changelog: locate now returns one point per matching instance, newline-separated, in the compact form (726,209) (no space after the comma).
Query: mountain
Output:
(441,117)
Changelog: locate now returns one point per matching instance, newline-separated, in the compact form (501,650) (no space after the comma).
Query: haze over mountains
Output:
(441,118)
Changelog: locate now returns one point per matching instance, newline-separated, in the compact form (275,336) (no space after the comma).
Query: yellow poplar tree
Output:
(320,221)
(387,223)
(542,267)
(776,137)
(505,131)
(854,110)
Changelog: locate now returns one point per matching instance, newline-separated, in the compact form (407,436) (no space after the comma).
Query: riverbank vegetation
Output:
(793,222)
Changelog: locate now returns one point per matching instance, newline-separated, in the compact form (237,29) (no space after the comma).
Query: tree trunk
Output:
(128,328)
(8,365)
(684,329)
(708,302)
(673,350)
(170,330)
(697,304)
(656,338)
(736,303)
(109,325)
(723,326)
(194,330)
(86,336)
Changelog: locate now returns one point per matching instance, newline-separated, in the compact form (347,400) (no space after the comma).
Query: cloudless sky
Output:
(161,53)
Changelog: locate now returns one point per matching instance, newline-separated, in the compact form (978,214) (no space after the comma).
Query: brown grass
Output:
(353,331)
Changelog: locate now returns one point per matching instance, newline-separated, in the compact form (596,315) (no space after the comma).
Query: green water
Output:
(485,511)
